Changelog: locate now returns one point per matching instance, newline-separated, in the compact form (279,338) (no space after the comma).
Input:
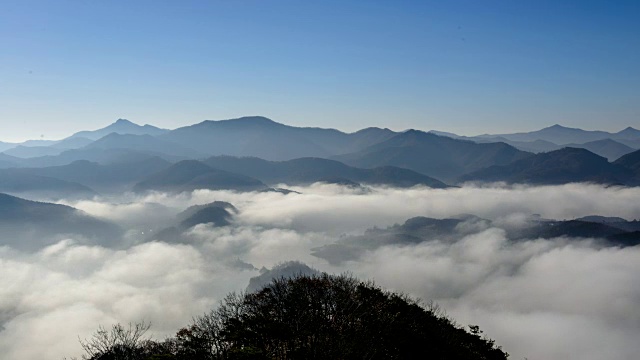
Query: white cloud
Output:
(540,299)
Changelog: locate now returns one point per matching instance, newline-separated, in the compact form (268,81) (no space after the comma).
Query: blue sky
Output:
(468,67)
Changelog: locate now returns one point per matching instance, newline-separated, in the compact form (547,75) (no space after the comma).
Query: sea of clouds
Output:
(540,299)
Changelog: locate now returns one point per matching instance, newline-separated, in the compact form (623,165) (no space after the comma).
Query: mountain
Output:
(562,135)
(534,146)
(630,161)
(608,148)
(267,139)
(23,151)
(556,167)
(99,155)
(556,134)
(8,161)
(33,151)
(441,157)
(121,126)
(105,178)
(143,143)
(609,231)
(189,175)
(4,146)
(16,182)
(309,170)
(627,134)
(632,143)
(30,225)
(217,213)
(72,143)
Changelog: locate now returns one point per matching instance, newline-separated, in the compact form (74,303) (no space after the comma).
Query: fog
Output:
(540,298)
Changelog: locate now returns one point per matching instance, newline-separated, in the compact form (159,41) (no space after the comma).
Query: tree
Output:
(322,317)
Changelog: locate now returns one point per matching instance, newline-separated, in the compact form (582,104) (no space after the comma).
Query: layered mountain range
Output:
(258,154)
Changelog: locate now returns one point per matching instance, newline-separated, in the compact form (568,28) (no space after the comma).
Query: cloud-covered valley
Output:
(540,298)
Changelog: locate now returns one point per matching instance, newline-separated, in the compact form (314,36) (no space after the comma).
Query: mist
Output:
(556,298)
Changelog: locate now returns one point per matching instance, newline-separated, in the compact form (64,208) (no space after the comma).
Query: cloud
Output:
(540,298)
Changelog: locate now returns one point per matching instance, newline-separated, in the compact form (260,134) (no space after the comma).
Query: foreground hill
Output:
(30,225)
(556,167)
(189,175)
(438,156)
(265,138)
(309,170)
(307,317)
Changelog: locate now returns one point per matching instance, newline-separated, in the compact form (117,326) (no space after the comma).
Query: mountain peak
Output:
(124,121)
(557,127)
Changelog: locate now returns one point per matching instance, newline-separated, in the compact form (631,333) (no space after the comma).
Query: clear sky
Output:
(467,67)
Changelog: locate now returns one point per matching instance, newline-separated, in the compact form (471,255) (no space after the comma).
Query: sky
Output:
(468,67)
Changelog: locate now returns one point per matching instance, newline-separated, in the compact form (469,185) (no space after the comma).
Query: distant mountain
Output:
(121,126)
(8,161)
(29,225)
(38,143)
(189,175)
(72,143)
(143,143)
(562,135)
(633,143)
(627,134)
(4,146)
(99,155)
(556,134)
(441,157)
(630,161)
(16,182)
(309,170)
(105,178)
(217,213)
(608,148)
(55,148)
(289,269)
(618,232)
(556,167)
(267,139)
(535,146)
(33,151)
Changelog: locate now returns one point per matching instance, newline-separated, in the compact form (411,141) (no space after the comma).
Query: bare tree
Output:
(122,343)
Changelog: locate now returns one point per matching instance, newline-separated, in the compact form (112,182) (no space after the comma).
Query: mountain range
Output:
(254,153)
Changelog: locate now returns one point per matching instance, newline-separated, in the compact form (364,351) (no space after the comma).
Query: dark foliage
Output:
(312,317)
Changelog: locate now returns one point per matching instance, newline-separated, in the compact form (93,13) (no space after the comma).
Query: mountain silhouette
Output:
(556,167)
(441,157)
(267,139)
(143,143)
(189,175)
(121,126)
(18,182)
(309,170)
(29,225)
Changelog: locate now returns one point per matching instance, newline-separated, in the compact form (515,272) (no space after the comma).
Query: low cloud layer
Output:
(540,299)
